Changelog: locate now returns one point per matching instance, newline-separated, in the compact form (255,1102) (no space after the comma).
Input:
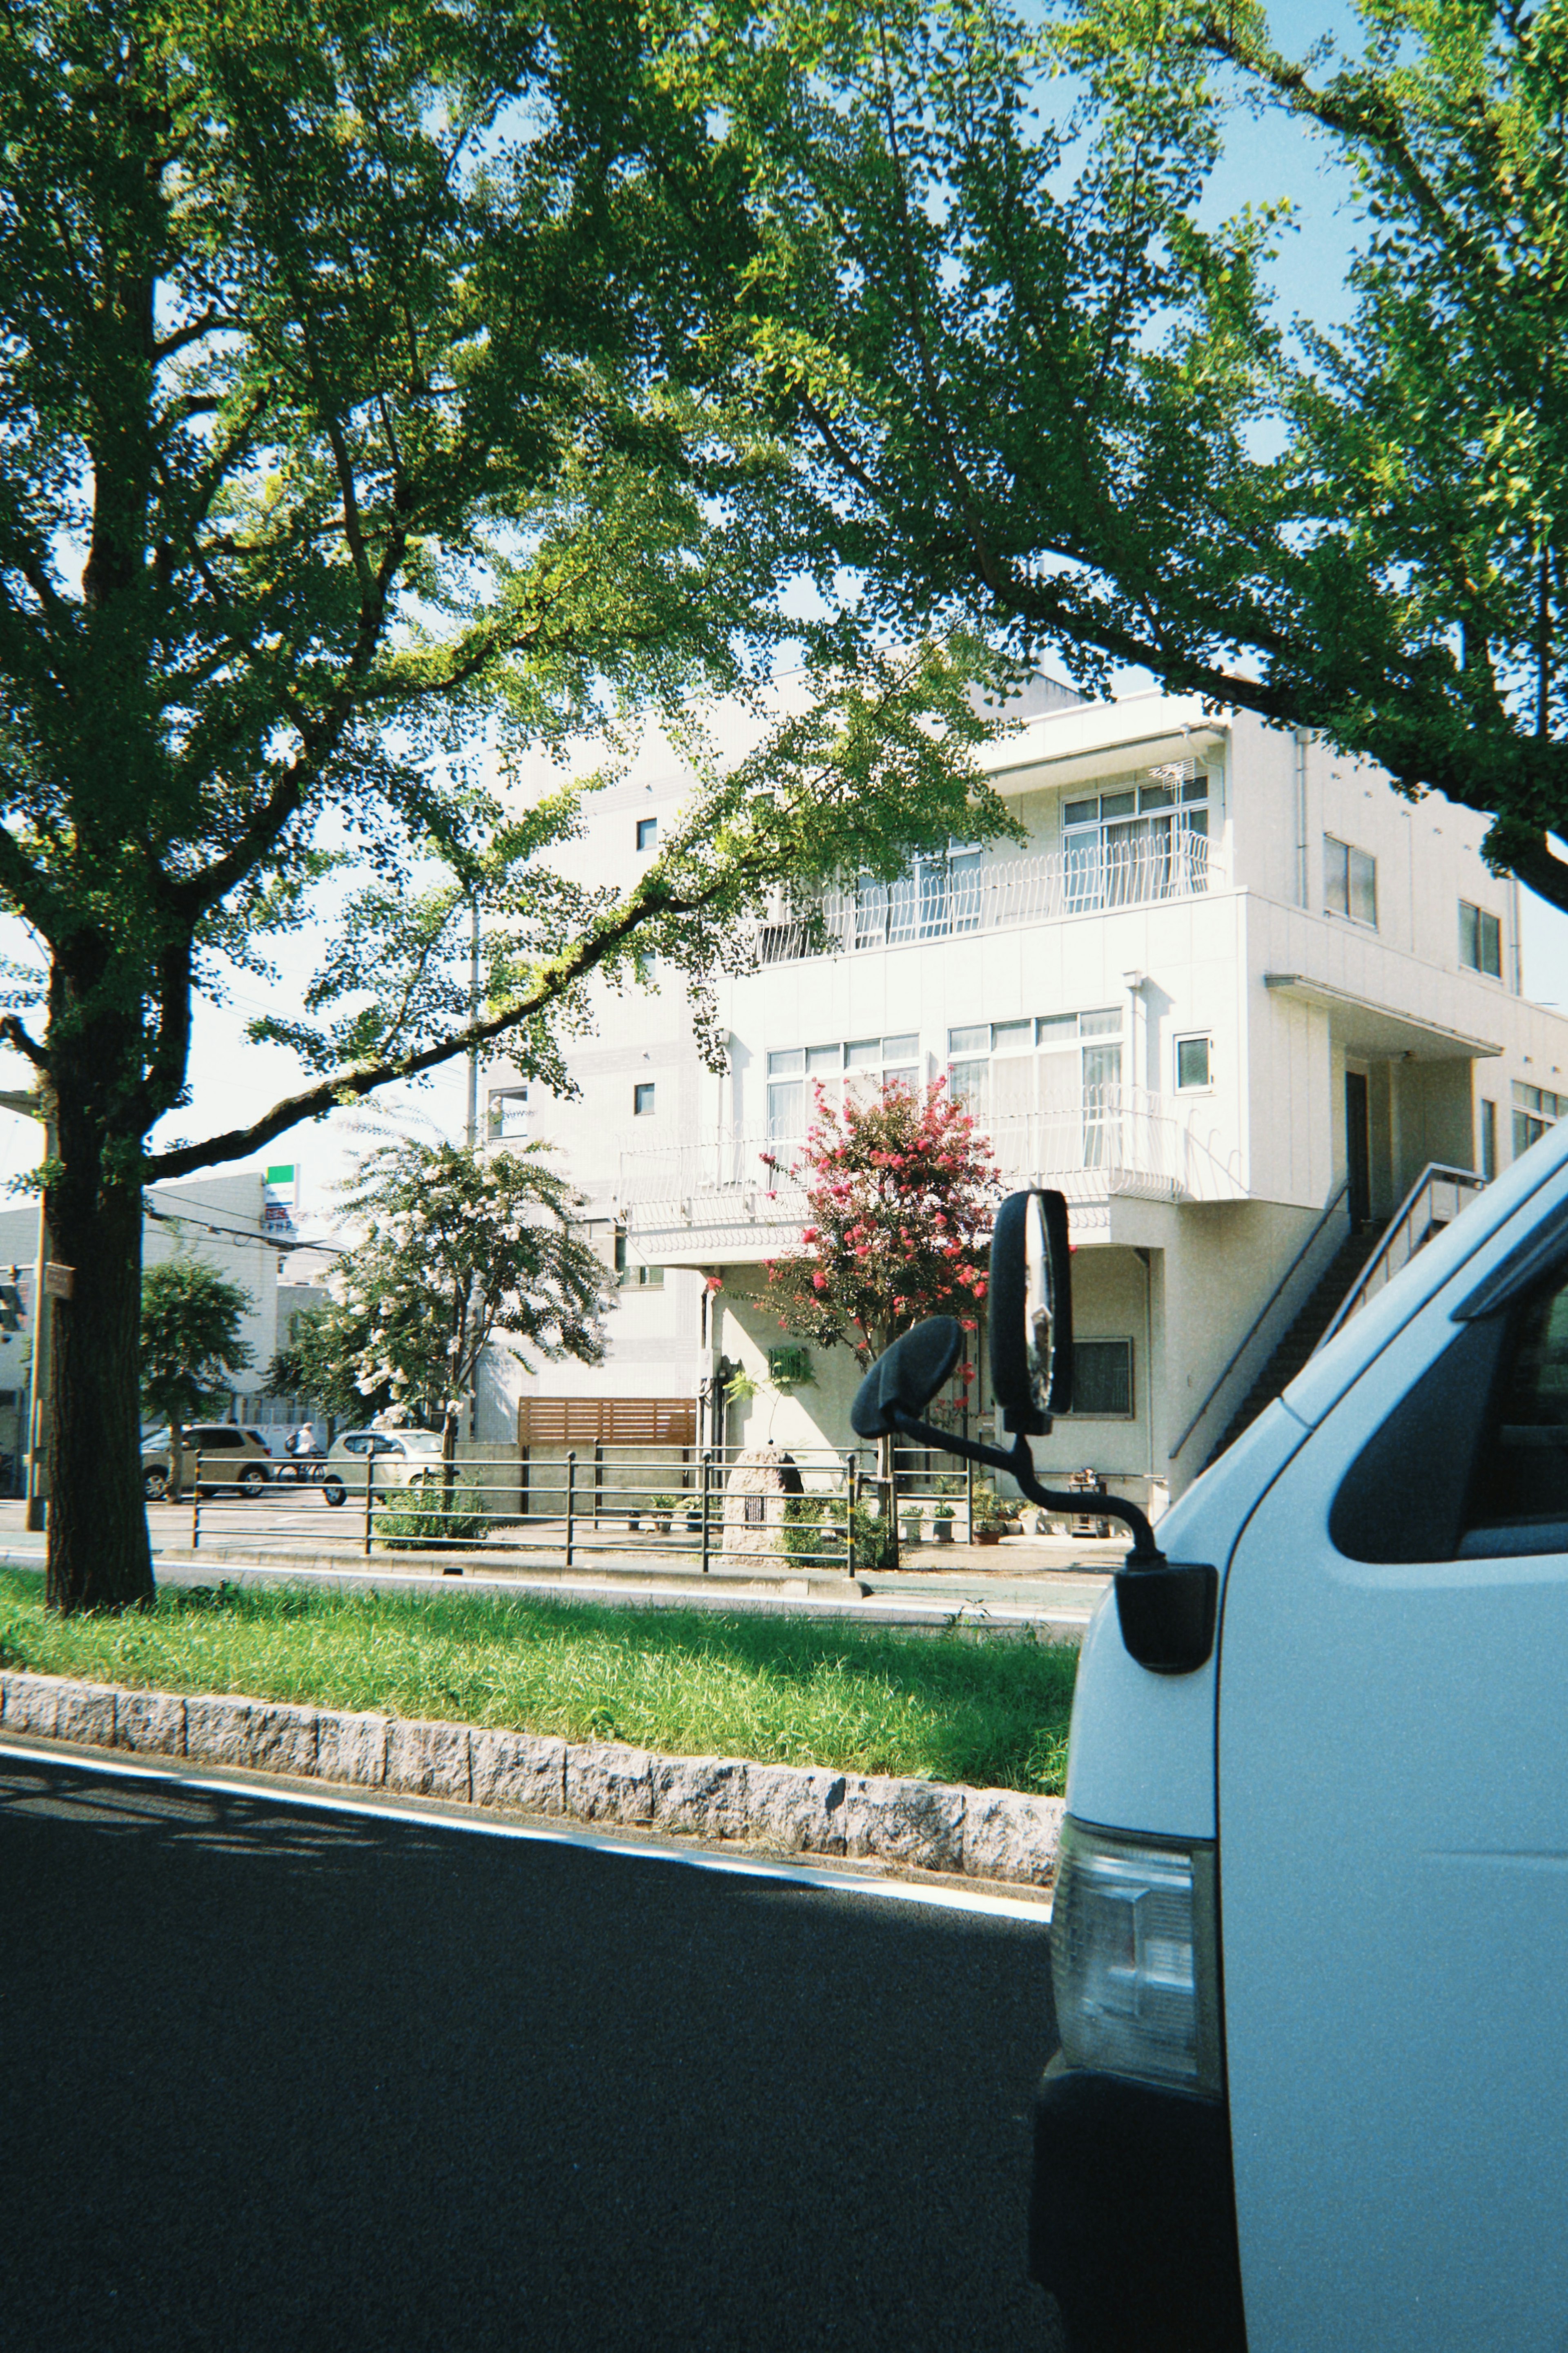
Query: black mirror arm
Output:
(1020,1463)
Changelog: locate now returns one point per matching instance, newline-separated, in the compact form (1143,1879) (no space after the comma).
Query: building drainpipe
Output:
(1302,738)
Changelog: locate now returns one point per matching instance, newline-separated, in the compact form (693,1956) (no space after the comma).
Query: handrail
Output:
(1330,1206)
(1377,1271)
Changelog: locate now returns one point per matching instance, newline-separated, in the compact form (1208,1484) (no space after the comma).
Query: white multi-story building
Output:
(1232,994)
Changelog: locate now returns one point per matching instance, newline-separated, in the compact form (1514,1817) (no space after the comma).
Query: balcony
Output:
(721,1192)
(954,897)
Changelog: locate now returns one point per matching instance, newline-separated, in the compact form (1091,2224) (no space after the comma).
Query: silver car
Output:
(403,1458)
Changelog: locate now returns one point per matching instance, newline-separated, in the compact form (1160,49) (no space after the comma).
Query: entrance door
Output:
(1358,1147)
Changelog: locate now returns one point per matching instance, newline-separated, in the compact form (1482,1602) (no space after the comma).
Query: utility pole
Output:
(473,1017)
(31,1106)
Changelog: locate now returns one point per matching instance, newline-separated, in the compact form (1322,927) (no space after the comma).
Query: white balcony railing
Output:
(944,899)
(1124,1143)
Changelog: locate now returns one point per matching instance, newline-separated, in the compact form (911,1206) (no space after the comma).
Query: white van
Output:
(1311,1936)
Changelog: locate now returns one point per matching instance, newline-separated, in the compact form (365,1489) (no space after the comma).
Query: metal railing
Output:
(710,1514)
(974,895)
(1334,1201)
(1433,1201)
(1119,1140)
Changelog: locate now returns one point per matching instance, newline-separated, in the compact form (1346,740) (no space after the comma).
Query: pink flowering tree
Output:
(901,1193)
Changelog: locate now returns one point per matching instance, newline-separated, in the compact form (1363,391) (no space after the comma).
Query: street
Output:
(279,2075)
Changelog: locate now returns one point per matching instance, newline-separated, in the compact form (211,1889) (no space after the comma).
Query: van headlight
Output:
(1136,1957)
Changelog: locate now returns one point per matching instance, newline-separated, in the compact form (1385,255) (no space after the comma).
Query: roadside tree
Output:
(1053,393)
(463,1250)
(191,1346)
(901,1194)
(320,1359)
(369,383)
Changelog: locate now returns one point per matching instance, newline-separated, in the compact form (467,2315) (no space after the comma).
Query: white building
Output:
(231,1222)
(1233,994)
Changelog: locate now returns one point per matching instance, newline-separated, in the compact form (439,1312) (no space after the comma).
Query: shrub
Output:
(430,1519)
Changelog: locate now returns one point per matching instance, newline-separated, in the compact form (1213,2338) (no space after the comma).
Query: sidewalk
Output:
(1050,1583)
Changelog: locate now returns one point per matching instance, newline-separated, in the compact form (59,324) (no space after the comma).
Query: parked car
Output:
(230,1456)
(403,1458)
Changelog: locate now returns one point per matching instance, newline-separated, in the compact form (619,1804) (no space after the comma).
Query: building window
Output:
(786,1096)
(1062,1066)
(1488,1139)
(643,1100)
(631,1274)
(1480,941)
(1147,841)
(647,832)
(1535,1109)
(1195,1066)
(1102,1380)
(1350,882)
(938,896)
(855,1071)
(508,1112)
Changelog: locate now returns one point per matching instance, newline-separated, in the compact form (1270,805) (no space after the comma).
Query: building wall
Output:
(187,1212)
(1291,994)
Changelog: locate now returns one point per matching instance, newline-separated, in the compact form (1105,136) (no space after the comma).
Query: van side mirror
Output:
(1030,1306)
(907,1375)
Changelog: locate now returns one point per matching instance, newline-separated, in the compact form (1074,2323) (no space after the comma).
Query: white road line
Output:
(1037,1914)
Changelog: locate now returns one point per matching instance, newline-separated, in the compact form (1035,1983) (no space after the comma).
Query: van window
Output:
(1523,1472)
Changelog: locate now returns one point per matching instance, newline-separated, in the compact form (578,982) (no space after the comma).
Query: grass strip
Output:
(688,1682)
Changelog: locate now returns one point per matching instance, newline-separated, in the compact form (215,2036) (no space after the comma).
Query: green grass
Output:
(786,1691)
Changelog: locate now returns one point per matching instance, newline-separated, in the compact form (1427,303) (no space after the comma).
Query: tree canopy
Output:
(901,1194)
(191,1341)
(1048,392)
(369,399)
(462,1249)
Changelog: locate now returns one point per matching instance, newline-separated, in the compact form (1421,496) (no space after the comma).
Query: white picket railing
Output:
(946,900)
(1123,1141)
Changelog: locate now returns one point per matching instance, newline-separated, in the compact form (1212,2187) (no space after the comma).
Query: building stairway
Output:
(1312,1321)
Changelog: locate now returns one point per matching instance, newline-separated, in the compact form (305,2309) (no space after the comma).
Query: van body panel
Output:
(1393,1831)
(1326,1377)
(1142,1752)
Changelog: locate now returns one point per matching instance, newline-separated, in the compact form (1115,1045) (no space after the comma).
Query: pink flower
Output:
(714,1282)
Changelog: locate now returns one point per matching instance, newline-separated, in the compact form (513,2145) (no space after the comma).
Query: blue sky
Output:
(1264,158)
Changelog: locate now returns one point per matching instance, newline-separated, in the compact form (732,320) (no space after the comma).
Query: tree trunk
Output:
(99,1555)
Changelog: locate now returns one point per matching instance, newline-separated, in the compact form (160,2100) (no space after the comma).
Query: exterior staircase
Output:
(1312,1321)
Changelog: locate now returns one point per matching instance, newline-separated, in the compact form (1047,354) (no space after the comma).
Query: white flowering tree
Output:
(462,1249)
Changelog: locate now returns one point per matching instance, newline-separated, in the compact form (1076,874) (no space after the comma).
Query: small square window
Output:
(1193,1063)
(1480,941)
(974,1040)
(647,832)
(823,1061)
(788,1065)
(643,1100)
(1102,1379)
(1350,882)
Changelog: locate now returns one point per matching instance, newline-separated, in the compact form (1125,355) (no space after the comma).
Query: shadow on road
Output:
(276,2077)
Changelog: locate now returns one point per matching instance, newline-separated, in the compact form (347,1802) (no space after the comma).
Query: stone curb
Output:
(997,1834)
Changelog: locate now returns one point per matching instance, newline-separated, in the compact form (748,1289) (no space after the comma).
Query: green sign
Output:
(280,1175)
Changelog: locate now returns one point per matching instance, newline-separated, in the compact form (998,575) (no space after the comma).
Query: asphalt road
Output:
(278,2077)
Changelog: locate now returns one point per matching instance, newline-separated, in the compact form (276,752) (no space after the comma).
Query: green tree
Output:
(364,385)
(901,1194)
(462,1250)
(319,1360)
(191,1345)
(1049,393)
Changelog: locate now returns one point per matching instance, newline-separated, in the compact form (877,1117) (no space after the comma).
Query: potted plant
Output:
(663,1513)
(986,1518)
(910,1525)
(942,1524)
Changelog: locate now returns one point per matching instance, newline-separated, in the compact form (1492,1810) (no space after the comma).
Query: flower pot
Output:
(941,1531)
(660,1526)
(987,1536)
(908,1531)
